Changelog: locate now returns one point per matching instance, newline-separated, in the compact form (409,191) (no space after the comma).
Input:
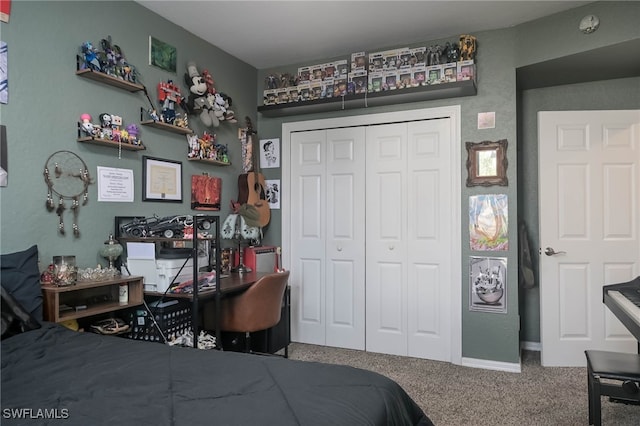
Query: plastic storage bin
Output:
(172,318)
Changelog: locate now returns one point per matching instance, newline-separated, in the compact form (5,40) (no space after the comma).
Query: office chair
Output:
(621,374)
(256,309)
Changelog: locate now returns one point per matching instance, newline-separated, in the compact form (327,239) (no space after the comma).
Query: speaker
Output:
(260,259)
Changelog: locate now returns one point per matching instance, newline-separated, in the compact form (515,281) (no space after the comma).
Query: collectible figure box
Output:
(376,81)
(283,95)
(329,70)
(434,74)
(357,82)
(419,76)
(450,73)
(418,57)
(391,59)
(376,62)
(358,61)
(315,91)
(390,79)
(342,68)
(327,87)
(404,77)
(304,91)
(339,86)
(404,58)
(270,97)
(294,94)
(304,74)
(317,72)
(466,71)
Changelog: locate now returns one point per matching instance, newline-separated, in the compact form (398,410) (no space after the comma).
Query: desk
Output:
(231,284)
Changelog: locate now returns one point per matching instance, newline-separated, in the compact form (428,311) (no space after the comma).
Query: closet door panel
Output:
(308,233)
(345,238)
(428,238)
(386,295)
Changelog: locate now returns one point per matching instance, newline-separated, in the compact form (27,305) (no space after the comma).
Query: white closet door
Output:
(429,212)
(345,238)
(386,224)
(308,235)
(328,239)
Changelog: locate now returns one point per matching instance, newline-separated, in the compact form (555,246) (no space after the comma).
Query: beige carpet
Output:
(454,395)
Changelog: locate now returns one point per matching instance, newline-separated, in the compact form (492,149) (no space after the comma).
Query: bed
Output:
(49,371)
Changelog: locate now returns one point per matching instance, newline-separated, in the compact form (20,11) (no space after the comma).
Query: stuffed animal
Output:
(198,101)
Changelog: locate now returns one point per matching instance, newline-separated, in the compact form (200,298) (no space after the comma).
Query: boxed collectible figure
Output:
(283,95)
(329,70)
(270,97)
(419,77)
(342,68)
(303,91)
(376,62)
(390,79)
(391,59)
(294,94)
(327,87)
(317,72)
(434,74)
(418,57)
(304,74)
(315,91)
(404,58)
(466,70)
(358,61)
(404,77)
(339,86)
(376,81)
(450,73)
(357,82)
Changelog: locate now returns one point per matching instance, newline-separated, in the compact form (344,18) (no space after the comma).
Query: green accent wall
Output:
(46,99)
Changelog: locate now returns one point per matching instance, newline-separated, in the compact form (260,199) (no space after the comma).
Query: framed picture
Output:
(487,163)
(162,55)
(162,180)
(489,222)
(488,284)
(269,153)
(205,192)
(273,193)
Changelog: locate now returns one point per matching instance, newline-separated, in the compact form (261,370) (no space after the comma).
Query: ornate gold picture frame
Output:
(487,163)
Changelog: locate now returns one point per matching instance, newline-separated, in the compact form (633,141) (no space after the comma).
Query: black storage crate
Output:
(173,320)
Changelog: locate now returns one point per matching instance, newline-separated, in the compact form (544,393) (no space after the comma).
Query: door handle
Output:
(551,252)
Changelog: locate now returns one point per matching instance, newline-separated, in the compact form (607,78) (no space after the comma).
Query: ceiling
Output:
(267,34)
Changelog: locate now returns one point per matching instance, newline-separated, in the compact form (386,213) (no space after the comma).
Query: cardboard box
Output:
(466,71)
(419,76)
(434,74)
(358,61)
(376,81)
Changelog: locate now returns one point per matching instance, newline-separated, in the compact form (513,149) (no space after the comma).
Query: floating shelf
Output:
(208,161)
(112,81)
(398,96)
(112,144)
(167,127)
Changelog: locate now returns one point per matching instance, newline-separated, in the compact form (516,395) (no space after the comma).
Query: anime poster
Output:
(488,222)
(269,153)
(273,193)
(488,284)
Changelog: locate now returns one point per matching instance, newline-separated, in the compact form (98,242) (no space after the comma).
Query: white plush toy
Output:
(198,101)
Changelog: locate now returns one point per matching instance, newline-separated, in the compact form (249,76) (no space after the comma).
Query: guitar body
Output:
(252,189)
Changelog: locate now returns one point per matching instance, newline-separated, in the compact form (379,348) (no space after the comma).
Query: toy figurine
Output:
(467,47)
(90,57)
(105,124)
(197,101)
(87,127)
(133,131)
(169,95)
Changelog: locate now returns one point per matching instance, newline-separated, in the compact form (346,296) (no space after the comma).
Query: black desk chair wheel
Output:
(621,372)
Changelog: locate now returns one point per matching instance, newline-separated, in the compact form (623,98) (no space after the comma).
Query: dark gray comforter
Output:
(88,379)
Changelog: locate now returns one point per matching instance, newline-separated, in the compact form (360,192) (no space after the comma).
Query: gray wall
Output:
(46,99)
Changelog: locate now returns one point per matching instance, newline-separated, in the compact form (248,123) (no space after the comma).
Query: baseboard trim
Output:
(491,365)
(531,346)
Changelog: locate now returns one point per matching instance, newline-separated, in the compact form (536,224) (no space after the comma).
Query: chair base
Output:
(622,374)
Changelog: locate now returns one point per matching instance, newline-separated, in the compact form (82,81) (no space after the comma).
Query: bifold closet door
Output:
(409,228)
(327,236)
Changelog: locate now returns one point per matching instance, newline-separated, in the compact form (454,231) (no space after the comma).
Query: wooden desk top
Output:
(232,283)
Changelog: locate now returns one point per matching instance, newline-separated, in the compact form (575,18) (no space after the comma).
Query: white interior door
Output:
(589,189)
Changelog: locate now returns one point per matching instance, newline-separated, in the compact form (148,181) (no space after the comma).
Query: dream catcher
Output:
(67,178)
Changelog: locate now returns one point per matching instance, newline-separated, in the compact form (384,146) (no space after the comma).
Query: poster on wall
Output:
(5,10)
(273,193)
(269,153)
(4,73)
(488,284)
(205,192)
(162,55)
(115,185)
(489,222)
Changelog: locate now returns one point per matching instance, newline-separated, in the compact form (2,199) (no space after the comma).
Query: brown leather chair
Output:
(256,309)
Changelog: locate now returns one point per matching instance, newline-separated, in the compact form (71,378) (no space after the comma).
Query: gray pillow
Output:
(20,276)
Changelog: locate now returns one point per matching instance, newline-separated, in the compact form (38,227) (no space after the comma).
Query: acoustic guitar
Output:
(252,187)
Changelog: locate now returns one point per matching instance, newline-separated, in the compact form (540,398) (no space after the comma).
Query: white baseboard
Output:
(531,346)
(509,367)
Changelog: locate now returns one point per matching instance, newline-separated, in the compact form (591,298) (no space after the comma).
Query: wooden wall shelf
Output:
(208,161)
(111,144)
(398,96)
(167,127)
(112,81)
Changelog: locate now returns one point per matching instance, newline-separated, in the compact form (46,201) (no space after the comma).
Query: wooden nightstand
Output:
(89,298)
